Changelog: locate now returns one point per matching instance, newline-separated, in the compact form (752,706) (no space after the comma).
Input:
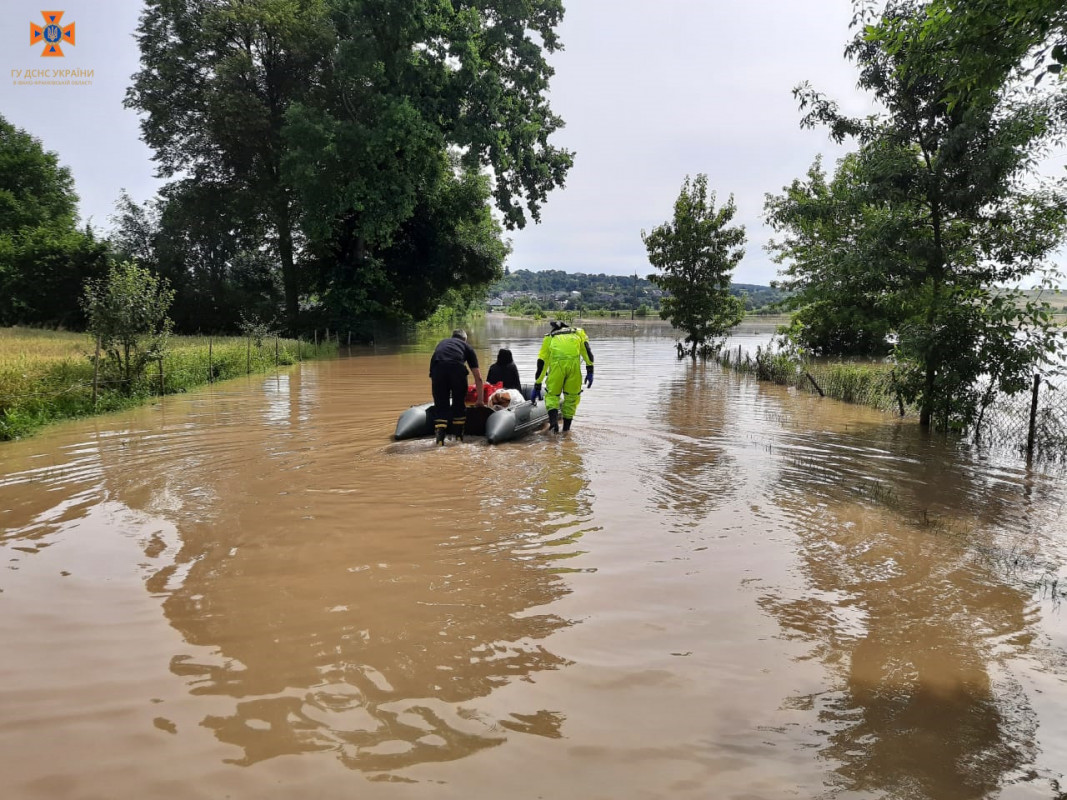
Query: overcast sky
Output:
(650,93)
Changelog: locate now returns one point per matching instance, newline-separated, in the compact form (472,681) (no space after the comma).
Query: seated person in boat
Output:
(505,371)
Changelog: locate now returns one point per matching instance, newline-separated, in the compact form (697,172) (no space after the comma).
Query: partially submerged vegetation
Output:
(46,376)
(1032,422)
(918,232)
(872,383)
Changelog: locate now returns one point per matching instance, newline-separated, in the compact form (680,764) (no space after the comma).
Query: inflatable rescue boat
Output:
(516,420)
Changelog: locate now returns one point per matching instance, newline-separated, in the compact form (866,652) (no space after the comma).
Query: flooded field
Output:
(710,588)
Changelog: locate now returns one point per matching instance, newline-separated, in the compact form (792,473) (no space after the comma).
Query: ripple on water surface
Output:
(709,585)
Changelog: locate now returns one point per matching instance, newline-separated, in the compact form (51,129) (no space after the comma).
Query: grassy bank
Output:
(867,383)
(46,376)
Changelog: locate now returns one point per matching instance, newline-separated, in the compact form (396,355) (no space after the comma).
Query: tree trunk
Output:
(936,270)
(926,412)
(283,223)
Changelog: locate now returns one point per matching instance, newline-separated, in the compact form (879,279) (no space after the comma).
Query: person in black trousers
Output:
(505,371)
(448,381)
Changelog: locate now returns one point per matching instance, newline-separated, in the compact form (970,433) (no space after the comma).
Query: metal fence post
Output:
(1033,418)
(96,370)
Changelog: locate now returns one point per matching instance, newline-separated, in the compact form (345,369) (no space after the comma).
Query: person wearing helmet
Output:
(448,381)
(559,366)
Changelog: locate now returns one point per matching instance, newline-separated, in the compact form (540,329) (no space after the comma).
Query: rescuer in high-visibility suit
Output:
(561,356)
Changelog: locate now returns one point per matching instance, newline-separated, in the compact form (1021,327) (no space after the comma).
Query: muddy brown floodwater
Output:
(711,588)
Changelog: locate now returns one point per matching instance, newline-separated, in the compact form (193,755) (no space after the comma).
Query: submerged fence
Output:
(1032,423)
(39,388)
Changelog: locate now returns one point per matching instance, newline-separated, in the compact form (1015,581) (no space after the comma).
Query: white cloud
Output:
(651,94)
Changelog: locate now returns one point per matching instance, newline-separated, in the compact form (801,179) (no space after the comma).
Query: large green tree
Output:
(418,95)
(833,273)
(44,257)
(943,172)
(696,253)
(215,84)
(341,117)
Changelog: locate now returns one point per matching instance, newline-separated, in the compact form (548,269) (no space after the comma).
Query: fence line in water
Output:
(1032,422)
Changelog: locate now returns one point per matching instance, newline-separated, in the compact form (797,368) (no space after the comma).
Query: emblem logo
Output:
(51,34)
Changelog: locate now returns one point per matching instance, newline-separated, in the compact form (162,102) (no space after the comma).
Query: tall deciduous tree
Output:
(834,274)
(414,87)
(44,257)
(215,83)
(942,171)
(696,254)
(340,116)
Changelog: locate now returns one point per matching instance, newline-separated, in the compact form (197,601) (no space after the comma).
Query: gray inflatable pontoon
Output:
(499,426)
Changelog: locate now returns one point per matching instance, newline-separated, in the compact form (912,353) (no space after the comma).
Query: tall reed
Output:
(866,383)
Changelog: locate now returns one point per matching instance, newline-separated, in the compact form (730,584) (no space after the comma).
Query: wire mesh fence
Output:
(1032,423)
(34,391)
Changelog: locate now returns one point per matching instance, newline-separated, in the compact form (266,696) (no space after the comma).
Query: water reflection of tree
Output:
(335,598)
(549,508)
(693,476)
(369,638)
(913,627)
(866,456)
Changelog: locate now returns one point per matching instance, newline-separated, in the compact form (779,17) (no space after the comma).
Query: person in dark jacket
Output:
(505,371)
(448,381)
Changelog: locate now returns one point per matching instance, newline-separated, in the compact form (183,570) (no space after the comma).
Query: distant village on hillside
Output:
(526,292)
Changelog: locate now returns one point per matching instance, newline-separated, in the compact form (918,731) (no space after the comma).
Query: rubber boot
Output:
(441,436)
(459,433)
(553,420)
(567,424)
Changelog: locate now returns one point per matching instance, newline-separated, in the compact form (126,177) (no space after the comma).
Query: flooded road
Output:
(709,588)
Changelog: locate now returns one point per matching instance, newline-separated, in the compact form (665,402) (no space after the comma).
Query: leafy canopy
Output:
(34,189)
(44,258)
(986,44)
(696,253)
(944,220)
(349,123)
